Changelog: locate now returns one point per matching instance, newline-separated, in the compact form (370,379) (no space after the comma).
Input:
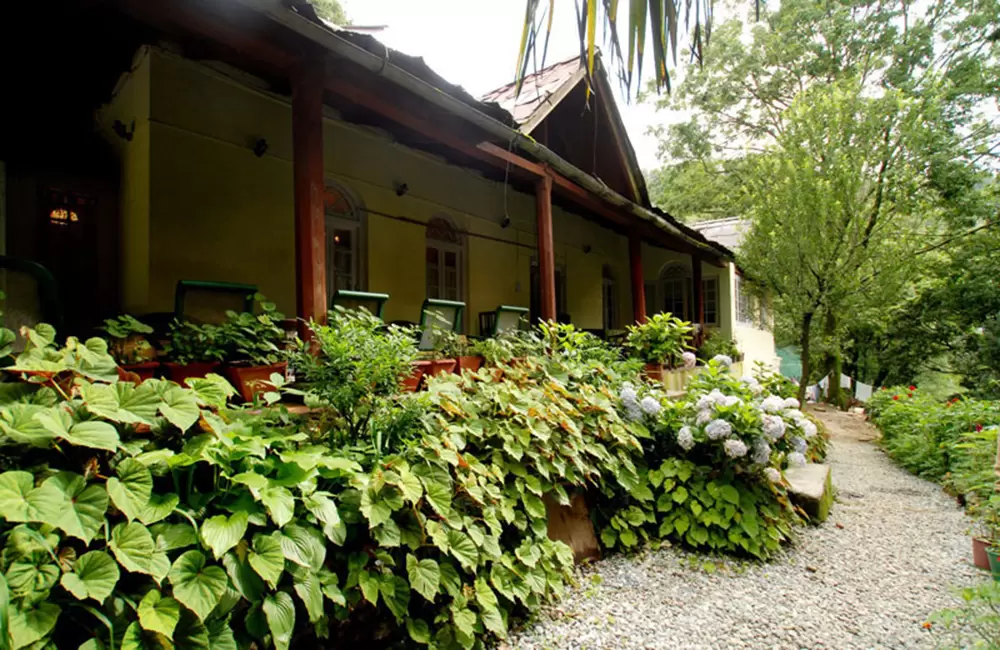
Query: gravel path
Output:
(893,547)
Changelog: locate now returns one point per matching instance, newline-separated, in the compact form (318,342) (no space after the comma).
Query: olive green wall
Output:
(199,204)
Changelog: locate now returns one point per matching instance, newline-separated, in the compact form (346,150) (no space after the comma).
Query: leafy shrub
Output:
(254,337)
(975,624)
(948,441)
(716,344)
(192,343)
(661,339)
(127,339)
(510,345)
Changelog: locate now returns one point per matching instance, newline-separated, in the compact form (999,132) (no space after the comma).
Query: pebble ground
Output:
(891,553)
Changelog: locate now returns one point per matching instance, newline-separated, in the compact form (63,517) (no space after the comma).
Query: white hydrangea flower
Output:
(723,359)
(628,393)
(685,438)
(772,404)
(735,448)
(799,444)
(761,453)
(632,411)
(772,474)
(689,359)
(717,396)
(795,459)
(731,400)
(718,429)
(704,417)
(774,426)
(749,380)
(705,402)
(792,403)
(794,415)
(808,429)
(649,405)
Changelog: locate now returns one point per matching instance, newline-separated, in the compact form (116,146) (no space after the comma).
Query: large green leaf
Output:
(196,586)
(131,489)
(31,624)
(464,550)
(159,507)
(211,390)
(94,575)
(220,634)
(174,536)
(32,575)
(136,638)
(374,507)
(418,629)
(425,576)
(159,614)
(14,489)
(191,632)
(302,545)
(244,578)
(280,504)
(323,507)
(396,594)
(369,586)
(409,484)
(82,508)
(222,533)
(310,591)
(280,613)
(19,422)
(180,407)
(267,558)
(438,496)
(89,433)
(134,546)
(122,402)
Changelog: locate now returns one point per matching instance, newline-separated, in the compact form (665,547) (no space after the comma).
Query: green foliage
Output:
(138,515)
(330,10)
(715,344)
(975,624)
(509,345)
(697,190)
(189,343)
(254,337)
(125,326)
(661,339)
(128,343)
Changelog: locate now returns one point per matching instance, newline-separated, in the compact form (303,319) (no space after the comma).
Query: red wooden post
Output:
(638,286)
(310,222)
(546,254)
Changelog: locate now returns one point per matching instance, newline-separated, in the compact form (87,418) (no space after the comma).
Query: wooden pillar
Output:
(307,164)
(546,253)
(638,286)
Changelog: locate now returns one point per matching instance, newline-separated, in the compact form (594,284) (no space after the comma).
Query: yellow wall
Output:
(205,207)
(131,106)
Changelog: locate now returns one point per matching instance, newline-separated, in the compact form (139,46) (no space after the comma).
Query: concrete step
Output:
(811,488)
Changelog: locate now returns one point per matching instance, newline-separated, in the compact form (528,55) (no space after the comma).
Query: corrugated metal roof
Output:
(729,231)
(540,93)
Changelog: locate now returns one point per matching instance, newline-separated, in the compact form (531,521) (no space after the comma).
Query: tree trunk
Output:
(832,360)
(804,345)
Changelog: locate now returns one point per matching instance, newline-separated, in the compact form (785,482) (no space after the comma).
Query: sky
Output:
(474,43)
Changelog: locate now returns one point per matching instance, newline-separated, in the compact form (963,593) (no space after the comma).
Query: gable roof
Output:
(728,231)
(544,90)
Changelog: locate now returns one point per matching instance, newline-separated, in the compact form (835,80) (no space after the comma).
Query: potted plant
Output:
(254,345)
(990,517)
(659,341)
(128,345)
(440,347)
(193,350)
(457,347)
(716,344)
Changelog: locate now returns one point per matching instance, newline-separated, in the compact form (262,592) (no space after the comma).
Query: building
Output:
(249,141)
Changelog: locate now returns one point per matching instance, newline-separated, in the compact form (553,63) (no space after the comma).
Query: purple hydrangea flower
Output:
(795,459)
(772,474)
(774,426)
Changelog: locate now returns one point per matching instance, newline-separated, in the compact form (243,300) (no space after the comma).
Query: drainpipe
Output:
(381,67)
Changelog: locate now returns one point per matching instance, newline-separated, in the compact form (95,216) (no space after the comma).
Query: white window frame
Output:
(745,304)
(443,247)
(674,275)
(715,302)
(356,226)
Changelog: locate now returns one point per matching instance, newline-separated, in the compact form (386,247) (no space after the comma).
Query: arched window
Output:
(445,260)
(674,289)
(609,291)
(344,264)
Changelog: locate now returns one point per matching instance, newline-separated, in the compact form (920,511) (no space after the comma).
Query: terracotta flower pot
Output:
(472,363)
(411,382)
(654,371)
(440,366)
(250,380)
(179,372)
(979,555)
(143,370)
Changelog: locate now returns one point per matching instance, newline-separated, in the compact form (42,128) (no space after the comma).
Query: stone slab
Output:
(811,488)
(571,524)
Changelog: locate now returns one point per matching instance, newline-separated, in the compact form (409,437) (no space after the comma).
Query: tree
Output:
(330,10)
(836,220)
(698,190)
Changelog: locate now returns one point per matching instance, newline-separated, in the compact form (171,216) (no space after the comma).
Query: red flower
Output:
(979,427)
(895,397)
(913,388)
(911,394)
